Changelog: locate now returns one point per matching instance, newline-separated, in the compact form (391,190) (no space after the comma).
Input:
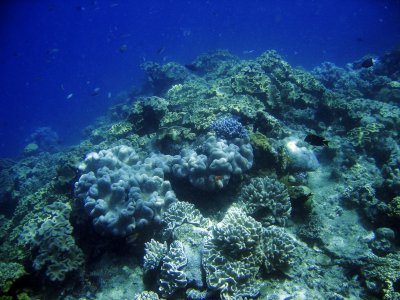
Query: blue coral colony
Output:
(207,190)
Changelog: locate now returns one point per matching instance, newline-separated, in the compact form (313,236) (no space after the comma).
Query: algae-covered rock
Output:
(146,114)
(381,275)
(394,207)
(120,129)
(9,273)
(250,79)
(31,149)
(161,77)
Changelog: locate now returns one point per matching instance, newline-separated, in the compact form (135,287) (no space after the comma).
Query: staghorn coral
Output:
(161,77)
(147,113)
(250,79)
(267,200)
(382,274)
(394,208)
(360,136)
(193,294)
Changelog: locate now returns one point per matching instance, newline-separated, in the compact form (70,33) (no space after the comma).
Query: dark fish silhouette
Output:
(191,67)
(316,140)
(160,50)
(366,63)
(123,48)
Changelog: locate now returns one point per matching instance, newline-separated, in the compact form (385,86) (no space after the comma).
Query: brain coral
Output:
(267,200)
(122,193)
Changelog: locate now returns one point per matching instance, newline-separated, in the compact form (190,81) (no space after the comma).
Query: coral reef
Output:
(210,166)
(121,193)
(279,249)
(265,214)
(233,255)
(267,200)
(57,252)
(162,77)
(43,139)
(120,129)
(147,295)
(9,273)
(155,252)
(229,128)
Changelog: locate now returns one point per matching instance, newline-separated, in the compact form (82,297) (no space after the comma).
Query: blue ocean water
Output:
(62,63)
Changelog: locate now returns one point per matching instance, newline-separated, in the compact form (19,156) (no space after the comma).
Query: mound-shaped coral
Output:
(122,193)
(210,166)
(267,200)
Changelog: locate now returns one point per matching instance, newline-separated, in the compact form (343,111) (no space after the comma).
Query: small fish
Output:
(160,50)
(123,48)
(95,91)
(109,95)
(70,96)
(316,140)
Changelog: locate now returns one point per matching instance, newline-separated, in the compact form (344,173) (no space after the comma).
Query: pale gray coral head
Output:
(210,166)
(122,193)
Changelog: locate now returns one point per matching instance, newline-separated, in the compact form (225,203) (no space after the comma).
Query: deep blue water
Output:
(51,49)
